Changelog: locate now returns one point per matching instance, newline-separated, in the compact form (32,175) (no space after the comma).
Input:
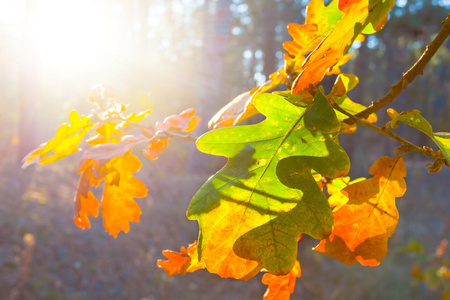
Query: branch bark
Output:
(409,76)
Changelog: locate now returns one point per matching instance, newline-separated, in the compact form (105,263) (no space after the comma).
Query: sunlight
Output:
(71,34)
(12,12)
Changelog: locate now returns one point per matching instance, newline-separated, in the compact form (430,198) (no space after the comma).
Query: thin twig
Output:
(386,131)
(409,76)
(411,146)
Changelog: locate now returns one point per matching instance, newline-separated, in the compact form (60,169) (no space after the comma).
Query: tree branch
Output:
(438,155)
(409,76)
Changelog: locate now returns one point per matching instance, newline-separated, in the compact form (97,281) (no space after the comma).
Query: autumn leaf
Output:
(184,122)
(319,21)
(337,199)
(120,188)
(343,84)
(63,144)
(110,150)
(85,203)
(249,218)
(414,119)
(118,205)
(358,14)
(281,287)
(179,263)
(155,148)
(242,107)
(363,225)
(107,133)
(136,117)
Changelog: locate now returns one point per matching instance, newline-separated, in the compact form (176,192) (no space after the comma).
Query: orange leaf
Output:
(85,203)
(332,48)
(281,287)
(181,262)
(363,225)
(121,187)
(88,207)
(155,148)
(305,39)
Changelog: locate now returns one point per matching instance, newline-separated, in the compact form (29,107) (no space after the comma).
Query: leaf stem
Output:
(409,76)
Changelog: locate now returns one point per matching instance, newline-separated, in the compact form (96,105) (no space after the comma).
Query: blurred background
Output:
(169,55)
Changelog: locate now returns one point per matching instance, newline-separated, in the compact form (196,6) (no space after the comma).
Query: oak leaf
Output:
(414,119)
(107,133)
(281,287)
(85,203)
(251,212)
(358,14)
(184,122)
(120,188)
(363,225)
(63,144)
(179,263)
(155,148)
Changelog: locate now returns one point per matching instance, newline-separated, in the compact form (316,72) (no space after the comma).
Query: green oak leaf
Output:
(411,118)
(379,11)
(321,116)
(414,119)
(442,139)
(256,201)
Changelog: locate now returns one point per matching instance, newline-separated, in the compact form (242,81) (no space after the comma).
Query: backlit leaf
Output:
(414,119)
(120,188)
(343,84)
(134,117)
(118,205)
(358,14)
(155,148)
(411,118)
(249,218)
(107,133)
(281,287)
(242,107)
(363,225)
(442,139)
(184,122)
(179,263)
(111,150)
(63,144)
(85,203)
(321,116)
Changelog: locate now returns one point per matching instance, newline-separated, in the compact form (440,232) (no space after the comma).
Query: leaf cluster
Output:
(285,176)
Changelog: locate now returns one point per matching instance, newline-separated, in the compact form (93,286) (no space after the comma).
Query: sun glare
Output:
(12,12)
(70,33)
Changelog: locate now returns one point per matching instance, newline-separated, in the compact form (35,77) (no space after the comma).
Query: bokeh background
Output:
(169,55)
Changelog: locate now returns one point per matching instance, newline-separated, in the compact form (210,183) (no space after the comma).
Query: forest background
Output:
(168,56)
